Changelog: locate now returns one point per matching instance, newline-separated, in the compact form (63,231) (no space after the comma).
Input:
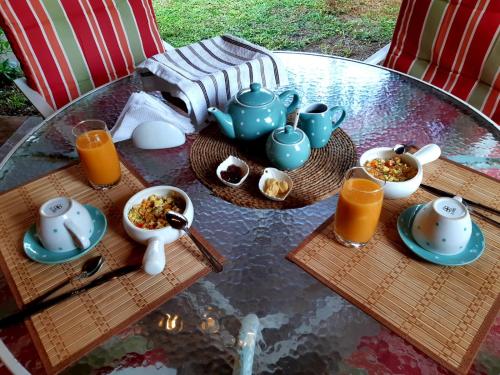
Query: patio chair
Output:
(67,48)
(451,44)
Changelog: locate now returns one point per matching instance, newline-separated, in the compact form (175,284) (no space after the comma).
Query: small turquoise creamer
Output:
(317,122)
(254,112)
(287,148)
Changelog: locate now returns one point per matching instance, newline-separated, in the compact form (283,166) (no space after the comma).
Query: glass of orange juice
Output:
(358,208)
(97,154)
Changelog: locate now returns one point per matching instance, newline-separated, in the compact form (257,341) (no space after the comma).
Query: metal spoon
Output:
(89,268)
(399,149)
(179,221)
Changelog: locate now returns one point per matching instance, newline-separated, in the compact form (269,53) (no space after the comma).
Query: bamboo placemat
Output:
(67,331)
(316,180)
(444,311)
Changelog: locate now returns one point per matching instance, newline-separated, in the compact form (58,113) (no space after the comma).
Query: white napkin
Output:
(209,72)
(142,107)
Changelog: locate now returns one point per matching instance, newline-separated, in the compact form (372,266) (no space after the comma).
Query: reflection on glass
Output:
(210,321)
(171,323)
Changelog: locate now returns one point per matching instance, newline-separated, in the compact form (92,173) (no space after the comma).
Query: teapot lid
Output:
(255,96)
(288,136)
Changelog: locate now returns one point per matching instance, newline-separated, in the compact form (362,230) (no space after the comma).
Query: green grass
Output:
(312,25)
(349,28)
(13,102)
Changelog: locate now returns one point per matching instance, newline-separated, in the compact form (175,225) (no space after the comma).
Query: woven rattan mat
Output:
(318,179)
(65,332)
(444,311)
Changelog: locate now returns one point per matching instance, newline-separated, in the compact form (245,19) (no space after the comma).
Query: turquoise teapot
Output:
(288,148)
(254,112)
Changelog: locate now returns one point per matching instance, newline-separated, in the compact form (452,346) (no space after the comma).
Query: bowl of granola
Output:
(402,173)
(144,221)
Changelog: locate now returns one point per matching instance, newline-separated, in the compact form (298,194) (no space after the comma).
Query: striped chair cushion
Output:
(453,44)
(68,47)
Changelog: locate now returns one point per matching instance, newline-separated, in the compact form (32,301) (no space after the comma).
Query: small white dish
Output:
(151,135)
(277,175)
(233,160)
(403,189)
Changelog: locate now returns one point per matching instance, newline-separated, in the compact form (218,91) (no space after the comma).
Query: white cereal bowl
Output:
(239,163)
(277,175)
(156,239)
(403,189)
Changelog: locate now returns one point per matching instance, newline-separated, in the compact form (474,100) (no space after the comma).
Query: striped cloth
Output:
(208,73)
(69,47)
(453,44)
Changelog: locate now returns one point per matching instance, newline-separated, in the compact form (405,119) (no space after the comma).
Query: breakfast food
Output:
(393,169)
(275,188)
(233,174)
(150,213)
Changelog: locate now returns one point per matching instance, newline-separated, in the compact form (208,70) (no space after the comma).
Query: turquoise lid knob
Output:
(288,135)
(256,96)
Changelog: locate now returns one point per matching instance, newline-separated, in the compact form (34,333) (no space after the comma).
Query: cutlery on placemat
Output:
(471,205)
(437,191)
(179,221)
(36,308)
(89,269)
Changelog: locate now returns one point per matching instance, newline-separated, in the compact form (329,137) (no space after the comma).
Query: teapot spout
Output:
(225,122)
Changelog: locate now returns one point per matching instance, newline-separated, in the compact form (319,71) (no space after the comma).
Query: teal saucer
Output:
(472,251)
(35,251)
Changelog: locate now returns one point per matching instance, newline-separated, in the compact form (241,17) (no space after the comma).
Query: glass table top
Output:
(305,327)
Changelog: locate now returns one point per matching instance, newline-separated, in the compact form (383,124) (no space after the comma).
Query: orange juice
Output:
(358,210)
(99,157)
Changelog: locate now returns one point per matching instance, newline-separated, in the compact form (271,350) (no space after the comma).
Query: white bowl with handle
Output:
(403,189)
(154,258)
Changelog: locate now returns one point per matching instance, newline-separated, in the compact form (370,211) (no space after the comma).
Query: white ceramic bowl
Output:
(277,175)
(230,161)
(154,257)
(403,189)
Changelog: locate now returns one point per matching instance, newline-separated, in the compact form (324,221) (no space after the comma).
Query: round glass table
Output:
(305,327)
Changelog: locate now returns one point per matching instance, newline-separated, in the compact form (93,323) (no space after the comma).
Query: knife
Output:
(33,309)
(437,191)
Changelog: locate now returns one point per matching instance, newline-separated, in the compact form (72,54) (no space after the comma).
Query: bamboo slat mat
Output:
(319,178)
(65,332)
(444,311)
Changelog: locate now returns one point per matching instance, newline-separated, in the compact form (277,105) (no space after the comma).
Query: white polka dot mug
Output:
(443,226)
(317,121)
(64,225)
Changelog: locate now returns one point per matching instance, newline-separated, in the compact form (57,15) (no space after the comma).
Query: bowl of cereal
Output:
(402,173)
(144,221)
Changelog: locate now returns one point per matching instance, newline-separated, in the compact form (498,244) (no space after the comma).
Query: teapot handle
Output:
(295,102)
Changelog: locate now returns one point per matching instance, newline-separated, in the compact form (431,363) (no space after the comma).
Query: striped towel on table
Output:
(210,72)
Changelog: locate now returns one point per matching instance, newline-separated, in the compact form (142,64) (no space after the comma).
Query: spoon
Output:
(399,149)
(296,119)
(179,222)
(89,268)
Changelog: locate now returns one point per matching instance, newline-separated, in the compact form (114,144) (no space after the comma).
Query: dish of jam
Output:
(232,174)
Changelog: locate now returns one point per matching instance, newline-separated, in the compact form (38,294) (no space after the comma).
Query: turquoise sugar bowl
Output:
(254,112)
(288,148)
